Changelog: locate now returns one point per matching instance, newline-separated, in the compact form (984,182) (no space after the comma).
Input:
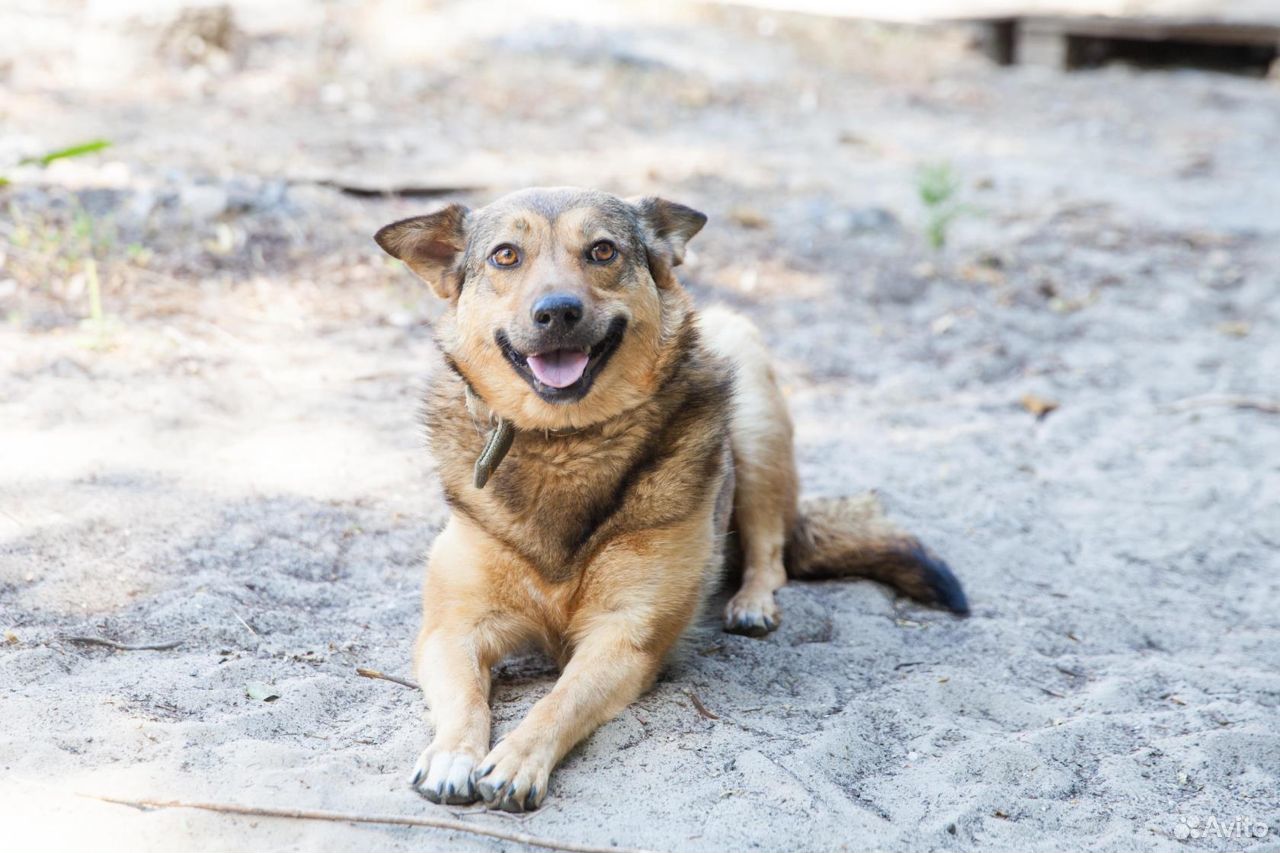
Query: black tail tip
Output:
(944,587)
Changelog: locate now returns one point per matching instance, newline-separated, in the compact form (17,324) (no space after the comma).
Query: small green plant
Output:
(54,244)
(77,150)
(938,187)
(80,149)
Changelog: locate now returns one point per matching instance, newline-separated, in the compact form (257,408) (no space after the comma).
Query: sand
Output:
(233,459)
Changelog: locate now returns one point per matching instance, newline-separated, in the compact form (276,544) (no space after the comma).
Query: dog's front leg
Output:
(636,602)
(463,634)
(606,673)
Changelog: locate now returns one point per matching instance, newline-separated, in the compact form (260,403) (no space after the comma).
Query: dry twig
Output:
(247,626)
(700,708)
(387,190)
(1231,401)
(345,817)
(373,673)
(124,647)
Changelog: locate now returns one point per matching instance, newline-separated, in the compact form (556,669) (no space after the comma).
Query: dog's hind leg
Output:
(462,637)
(764,504)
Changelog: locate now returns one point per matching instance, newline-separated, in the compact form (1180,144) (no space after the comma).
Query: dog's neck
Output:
(501,434)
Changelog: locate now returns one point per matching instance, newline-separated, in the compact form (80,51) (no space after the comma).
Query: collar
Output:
(499,439)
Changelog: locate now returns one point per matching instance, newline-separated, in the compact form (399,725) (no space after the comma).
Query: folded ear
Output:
(667,228)
(431,246)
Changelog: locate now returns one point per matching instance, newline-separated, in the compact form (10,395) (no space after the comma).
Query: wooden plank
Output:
(1064,42)
(1154,29)
(1247,12)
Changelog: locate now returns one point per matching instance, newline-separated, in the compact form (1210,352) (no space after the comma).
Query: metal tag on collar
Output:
(495,450)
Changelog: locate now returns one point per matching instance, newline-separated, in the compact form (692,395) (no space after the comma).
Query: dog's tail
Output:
(851,537)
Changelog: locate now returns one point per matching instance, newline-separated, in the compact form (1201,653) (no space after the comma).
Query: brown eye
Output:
(504,256)
(603,252)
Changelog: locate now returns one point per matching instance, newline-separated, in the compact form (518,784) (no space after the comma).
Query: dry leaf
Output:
(1235,330)
(1038,406)
(943,324)
(982,274)
(748,217)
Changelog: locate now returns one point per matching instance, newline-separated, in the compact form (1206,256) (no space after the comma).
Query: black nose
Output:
(558,312)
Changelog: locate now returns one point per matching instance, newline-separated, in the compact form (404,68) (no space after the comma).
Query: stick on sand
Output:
(395,679)
(344,817)
(124,647)
(1231,401)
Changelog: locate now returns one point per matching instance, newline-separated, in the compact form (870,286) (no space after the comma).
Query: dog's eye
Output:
(602,252)
(505,256)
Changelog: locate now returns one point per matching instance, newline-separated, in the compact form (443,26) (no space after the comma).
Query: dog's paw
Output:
(513,777)
(444,777)
(752,614)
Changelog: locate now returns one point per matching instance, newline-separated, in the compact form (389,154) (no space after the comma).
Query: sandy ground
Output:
(231,455)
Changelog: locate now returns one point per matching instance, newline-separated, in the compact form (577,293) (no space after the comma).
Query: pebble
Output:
(202,202)
(861,220)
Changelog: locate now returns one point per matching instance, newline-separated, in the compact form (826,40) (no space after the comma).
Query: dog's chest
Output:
(558,497)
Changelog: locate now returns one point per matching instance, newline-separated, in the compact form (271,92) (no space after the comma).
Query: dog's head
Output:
(562,302)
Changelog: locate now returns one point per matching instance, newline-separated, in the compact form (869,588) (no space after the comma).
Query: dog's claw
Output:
(515,782)
(445,777)
(750,627)
(491,791)
(751,615)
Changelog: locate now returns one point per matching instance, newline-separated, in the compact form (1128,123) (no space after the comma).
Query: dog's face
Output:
(562,301)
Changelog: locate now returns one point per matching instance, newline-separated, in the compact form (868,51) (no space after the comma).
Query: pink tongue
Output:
(559,368)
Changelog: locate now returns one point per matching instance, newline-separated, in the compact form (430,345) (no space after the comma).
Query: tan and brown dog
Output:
(636,434)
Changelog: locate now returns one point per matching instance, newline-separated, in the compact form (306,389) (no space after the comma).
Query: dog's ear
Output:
(431,246)
(668,227)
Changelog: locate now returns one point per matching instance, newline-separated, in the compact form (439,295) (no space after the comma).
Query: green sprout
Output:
(937,185)
(77,150)
(80,149)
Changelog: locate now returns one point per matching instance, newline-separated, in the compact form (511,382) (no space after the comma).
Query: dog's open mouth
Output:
(558,368)
(564,374)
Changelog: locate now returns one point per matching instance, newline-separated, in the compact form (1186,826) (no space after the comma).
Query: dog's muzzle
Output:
(562,359)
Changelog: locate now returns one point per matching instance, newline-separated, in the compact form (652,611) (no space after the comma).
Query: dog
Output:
(598,440)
